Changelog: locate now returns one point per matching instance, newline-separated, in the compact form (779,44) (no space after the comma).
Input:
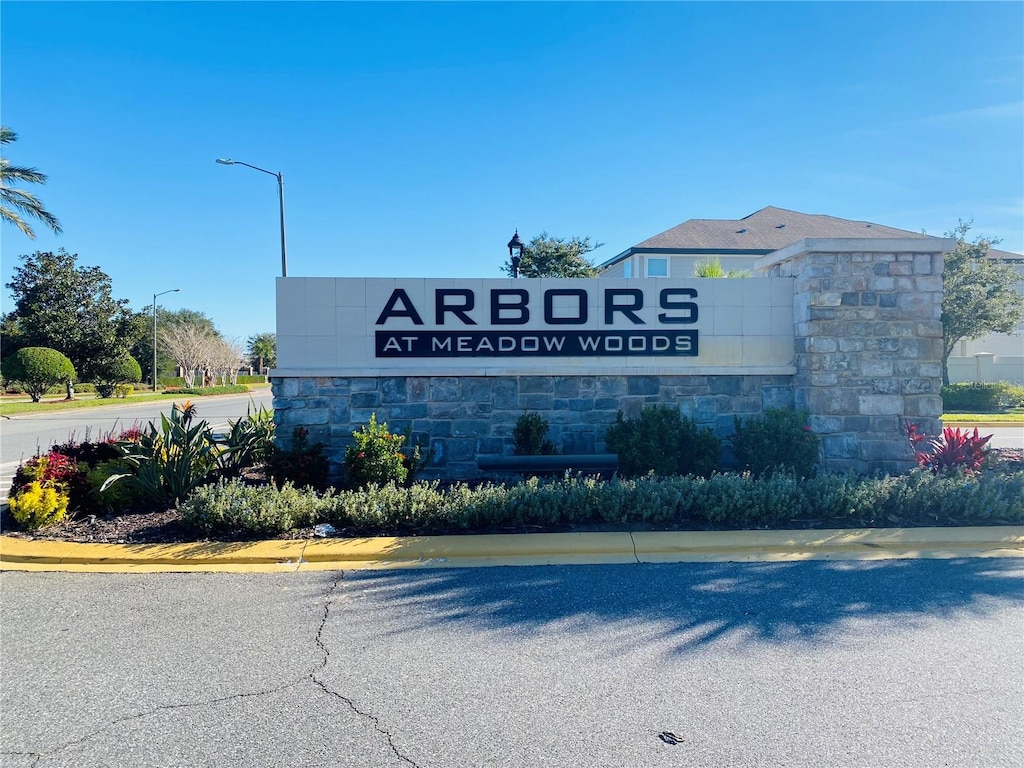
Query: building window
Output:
(657,267)
(627,268)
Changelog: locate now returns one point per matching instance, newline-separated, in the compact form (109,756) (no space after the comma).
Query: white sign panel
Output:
(389,326)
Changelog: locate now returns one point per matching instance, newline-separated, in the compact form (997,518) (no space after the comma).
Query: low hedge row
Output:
(13,388)
(982,398)
(228,390)
(720,501)
(179,381)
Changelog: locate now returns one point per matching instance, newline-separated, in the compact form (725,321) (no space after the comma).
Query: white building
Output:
(737,244)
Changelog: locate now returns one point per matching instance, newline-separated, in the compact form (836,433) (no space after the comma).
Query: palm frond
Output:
(26,203)
(13,201)
(13,218)
(10,172)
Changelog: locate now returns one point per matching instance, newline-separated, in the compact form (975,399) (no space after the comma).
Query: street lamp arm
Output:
(247,165)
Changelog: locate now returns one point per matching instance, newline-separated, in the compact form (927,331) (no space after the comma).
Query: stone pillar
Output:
(868,343)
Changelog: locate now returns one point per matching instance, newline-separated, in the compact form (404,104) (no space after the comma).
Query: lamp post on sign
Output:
(280,198)
(515,253)
(170,290)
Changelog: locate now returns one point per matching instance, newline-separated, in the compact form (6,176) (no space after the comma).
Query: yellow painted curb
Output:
(64,555)
(846,544)
(467,551)
(513,549)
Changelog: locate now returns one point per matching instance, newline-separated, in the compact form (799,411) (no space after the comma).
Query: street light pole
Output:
(170,290)
(280,198)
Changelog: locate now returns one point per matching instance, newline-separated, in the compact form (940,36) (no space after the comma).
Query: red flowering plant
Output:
(953,449)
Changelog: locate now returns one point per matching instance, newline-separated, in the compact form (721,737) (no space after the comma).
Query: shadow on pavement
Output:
(697,603)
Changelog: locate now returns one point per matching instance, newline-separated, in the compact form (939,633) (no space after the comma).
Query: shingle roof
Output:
(766,230)
(770,228)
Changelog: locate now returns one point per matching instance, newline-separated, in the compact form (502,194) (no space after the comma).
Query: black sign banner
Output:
(415,343)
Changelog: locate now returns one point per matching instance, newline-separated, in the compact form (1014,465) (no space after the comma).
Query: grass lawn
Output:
(11,406)
(1011,416)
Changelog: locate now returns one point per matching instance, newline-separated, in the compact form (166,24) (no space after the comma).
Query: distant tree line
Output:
(61,306)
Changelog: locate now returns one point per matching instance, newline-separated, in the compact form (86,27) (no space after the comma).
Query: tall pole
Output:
(280,198)
(172,290)
(154,342)
(284,248)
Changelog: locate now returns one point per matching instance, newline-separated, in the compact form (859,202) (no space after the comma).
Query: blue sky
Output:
(414,138)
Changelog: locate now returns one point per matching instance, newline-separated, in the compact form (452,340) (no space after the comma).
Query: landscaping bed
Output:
(247,509)
(178,481)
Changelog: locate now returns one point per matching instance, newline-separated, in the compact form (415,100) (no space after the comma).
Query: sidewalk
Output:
(283,555)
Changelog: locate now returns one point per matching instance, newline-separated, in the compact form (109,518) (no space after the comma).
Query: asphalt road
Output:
(883,663)
(23,436)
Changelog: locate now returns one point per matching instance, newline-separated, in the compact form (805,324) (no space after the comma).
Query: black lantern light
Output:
(515,252)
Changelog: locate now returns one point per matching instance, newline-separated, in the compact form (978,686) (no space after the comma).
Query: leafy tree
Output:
(980,294)
(121,370)
(262,350)
(548,256)
(69,308)
(14,202)
(37,369)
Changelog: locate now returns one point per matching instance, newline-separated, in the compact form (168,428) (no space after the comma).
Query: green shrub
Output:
(254,379)
(114,498)
(230,505)
(528,436)
(37,369)
(303,465)
(117,370)
(779,439)
(124,390)
(375,457)
(663,442)
(982,397)
(721,501)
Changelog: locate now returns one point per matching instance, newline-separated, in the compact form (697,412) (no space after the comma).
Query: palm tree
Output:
(15,201)
(713,268)
(263,348)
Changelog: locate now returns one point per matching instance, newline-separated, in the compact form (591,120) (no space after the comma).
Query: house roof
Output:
(761,232)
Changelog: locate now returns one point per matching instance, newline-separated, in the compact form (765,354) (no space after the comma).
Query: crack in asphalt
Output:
(36,756)
(163,707)
(373,719)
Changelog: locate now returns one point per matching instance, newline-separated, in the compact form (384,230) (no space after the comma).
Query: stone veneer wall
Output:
(466,417)
(868,338)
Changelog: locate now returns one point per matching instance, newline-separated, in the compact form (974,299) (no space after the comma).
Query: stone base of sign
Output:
(464,419)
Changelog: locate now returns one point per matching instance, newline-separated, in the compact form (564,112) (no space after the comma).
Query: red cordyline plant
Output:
(953,449)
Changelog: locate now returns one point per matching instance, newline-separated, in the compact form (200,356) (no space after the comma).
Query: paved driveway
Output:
(889,663)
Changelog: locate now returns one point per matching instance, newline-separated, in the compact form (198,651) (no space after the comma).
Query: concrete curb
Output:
(514,549)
